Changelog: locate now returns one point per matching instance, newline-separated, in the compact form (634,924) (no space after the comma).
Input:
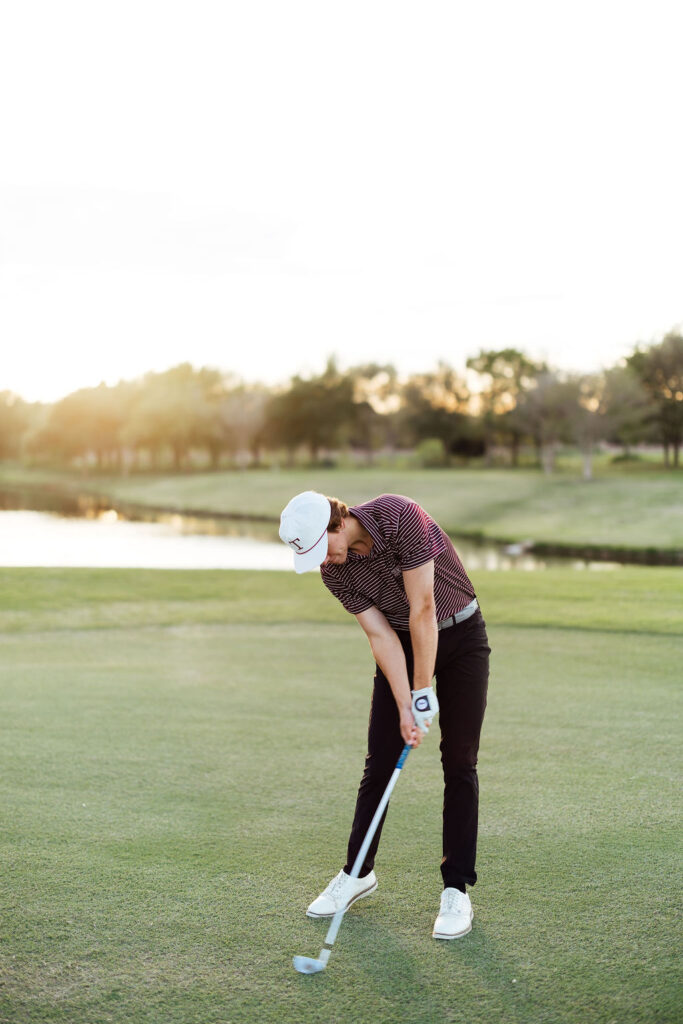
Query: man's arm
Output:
(388,653)
(424,634)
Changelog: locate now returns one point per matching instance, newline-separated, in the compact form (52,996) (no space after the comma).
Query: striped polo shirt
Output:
(404,537)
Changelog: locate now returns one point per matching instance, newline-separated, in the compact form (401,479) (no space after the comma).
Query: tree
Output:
(660,368)
(241,419)
(628,408)
(585,412)
(545,413)
(508,374)
(84,424)
(311,412)
(436,405)
(15,418)
(106,412)
(176,410)
(376,395)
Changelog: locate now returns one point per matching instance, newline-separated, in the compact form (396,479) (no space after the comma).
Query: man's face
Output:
(337,548)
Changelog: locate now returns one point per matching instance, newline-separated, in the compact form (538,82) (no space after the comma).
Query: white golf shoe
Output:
(455,915)
(341,893)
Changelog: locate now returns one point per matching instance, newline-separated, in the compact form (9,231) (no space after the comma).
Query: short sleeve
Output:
(353,601)
(418,538)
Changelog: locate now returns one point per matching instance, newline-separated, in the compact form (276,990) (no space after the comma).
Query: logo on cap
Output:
(295,543)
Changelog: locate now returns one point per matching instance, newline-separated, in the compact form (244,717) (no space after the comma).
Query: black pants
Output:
(462,672)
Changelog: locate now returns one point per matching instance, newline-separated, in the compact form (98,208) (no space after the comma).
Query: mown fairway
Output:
(180,756)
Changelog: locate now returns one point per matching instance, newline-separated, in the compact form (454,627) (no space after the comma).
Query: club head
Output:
(307,965)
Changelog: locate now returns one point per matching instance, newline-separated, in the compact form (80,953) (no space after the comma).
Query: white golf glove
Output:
(425,706)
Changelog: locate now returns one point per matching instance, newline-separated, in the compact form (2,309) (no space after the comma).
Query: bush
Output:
(626,457)
(431,453)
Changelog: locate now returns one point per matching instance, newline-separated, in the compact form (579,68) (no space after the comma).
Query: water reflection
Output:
(109,541)
(95,536)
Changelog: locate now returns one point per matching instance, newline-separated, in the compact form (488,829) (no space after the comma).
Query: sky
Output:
(256,186)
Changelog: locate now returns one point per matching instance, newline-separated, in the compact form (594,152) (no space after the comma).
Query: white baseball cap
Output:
(303,525)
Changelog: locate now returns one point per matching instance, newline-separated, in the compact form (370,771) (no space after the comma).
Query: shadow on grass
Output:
(411,977)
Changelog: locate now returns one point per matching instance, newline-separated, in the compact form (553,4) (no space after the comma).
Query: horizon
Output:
(469,376)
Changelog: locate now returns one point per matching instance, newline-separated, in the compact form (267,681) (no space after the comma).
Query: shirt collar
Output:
(366,520)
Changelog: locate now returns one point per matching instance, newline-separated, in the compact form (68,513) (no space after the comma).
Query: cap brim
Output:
(313,558)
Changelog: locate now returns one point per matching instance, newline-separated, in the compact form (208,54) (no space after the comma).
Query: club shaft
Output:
(370,834)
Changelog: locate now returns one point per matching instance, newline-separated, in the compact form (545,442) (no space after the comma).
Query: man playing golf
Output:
(395,569)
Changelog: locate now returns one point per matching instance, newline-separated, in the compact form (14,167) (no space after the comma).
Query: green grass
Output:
(180,756)
(629,599)
(632,510)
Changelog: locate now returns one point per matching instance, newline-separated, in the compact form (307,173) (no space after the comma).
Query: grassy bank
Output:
(630,510)
(179,764)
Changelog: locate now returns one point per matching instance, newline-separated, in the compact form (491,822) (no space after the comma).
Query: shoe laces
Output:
(337,885)
(452,901)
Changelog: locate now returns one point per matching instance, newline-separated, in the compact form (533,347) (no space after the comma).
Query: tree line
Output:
(507,401)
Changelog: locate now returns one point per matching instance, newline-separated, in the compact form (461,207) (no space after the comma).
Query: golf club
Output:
(307,964)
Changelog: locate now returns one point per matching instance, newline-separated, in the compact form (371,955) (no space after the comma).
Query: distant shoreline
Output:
(79,496)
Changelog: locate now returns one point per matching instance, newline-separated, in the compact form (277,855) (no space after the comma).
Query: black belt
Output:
(466,613)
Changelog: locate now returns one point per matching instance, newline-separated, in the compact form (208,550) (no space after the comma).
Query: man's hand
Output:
(425,706)
(409,731)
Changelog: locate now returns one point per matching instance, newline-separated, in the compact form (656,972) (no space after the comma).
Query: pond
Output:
(51,530)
